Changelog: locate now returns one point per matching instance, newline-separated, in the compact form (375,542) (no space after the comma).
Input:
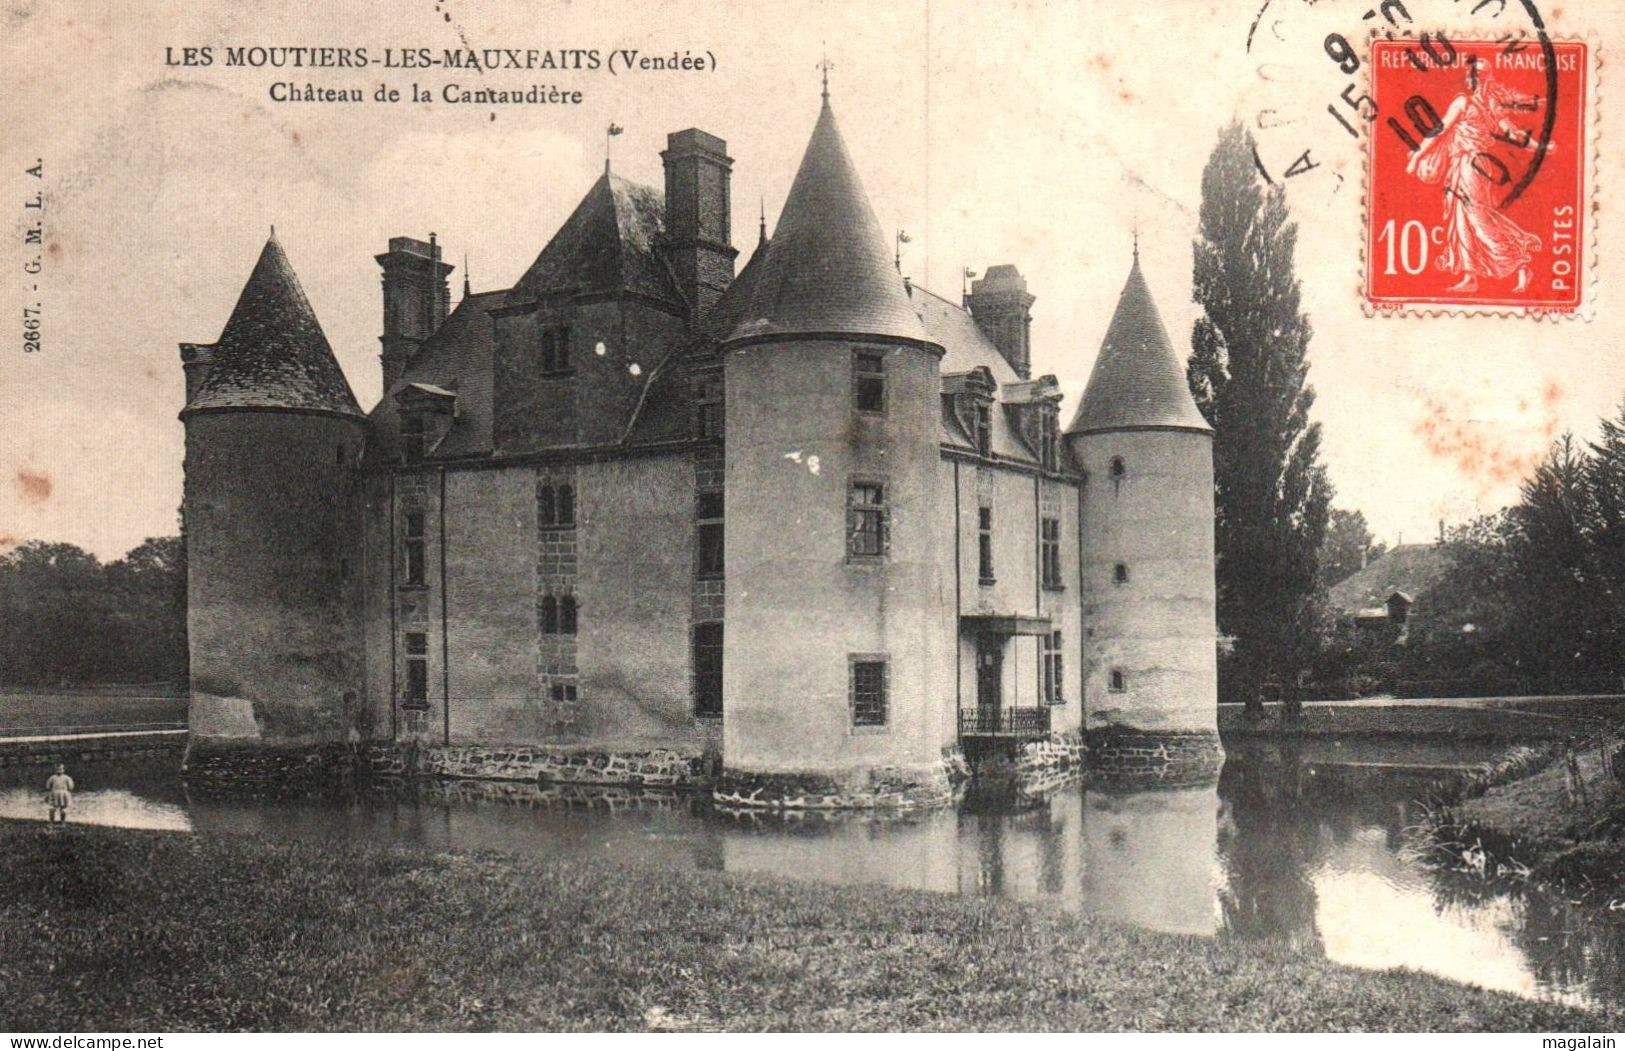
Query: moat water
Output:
(1311,846)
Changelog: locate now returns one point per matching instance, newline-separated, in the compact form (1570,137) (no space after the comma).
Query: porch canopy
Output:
(1003,624)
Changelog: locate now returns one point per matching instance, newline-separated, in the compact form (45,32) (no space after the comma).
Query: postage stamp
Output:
(1478,183)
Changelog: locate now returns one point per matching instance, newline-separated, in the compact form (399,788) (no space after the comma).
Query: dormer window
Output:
(982,427)
(414,431)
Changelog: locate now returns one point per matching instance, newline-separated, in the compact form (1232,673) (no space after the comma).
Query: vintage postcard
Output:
(588,515)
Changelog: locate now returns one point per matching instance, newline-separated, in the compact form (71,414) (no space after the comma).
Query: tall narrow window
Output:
(412,546)
(866,520)
(1049,550)
(567,615)
(984,544)
(413,436)
(708,668)
(868,691)
(709,533)
(417,670)
(1049,440)
(547,508)
(556,350)
(1053,693)
(708,408)
(1118,683)
(869,381)
(550,615)
(566,506)
(984,428)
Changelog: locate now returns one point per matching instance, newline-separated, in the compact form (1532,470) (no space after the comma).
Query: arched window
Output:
(567,505)
(1120,573)
(1119,682)
(550,615)
(545,510)
(567,615)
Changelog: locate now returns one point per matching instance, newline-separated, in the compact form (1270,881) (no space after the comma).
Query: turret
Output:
(1150,688)
(273,433)
(416,300)
(836,643)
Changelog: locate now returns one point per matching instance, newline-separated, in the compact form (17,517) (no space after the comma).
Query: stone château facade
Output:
(801,533)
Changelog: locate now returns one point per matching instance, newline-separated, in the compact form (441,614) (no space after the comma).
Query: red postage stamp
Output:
(1478,185)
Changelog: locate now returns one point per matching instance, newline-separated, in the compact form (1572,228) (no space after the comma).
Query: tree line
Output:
(67,618)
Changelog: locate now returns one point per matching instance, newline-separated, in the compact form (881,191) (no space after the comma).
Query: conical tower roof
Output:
(827,270)
(1138,381)
(273,353)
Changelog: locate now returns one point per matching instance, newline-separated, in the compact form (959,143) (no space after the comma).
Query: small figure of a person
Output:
(1573,780)
(59,794)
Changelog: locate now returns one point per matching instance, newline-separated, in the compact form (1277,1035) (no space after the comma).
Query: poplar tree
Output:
(1248,373)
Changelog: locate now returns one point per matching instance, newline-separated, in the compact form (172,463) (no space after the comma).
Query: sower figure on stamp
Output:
(1479,238)
(59,793)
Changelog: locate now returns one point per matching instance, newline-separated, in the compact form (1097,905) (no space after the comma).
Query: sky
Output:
(1039,134)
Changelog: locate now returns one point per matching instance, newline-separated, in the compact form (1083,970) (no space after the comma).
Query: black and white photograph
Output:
(812,516)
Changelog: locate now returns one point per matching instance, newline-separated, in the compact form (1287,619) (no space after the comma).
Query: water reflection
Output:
(1305,845)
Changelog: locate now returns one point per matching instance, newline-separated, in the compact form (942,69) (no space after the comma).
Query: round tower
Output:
(273,436)
(836,667)
(1149,650)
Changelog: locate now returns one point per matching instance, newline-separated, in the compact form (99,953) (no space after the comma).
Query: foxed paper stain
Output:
(33,486)
(1487,452)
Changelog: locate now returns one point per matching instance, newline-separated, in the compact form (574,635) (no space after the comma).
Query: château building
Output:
(801,527)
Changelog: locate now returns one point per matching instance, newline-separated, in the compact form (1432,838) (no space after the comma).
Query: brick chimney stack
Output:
(416,299)
(1000,303)
(699,240)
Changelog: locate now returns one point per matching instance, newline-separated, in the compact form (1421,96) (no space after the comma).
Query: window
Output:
(567,615)
(413,548)
(1120,573)
(563,691)
(709,534)
(869,381)
(413,435)
(1051,657)
(1118,683)
(556,350)
(550,615)
(983,430)
(1118,470)
(556,507)
(1049,440)
(866,535)
(708,409)
(417,670)
(868,691)
(708,668)
(1049,551)
(984,544)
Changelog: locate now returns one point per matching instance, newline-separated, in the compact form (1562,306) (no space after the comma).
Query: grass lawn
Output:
(133,931)
(1407,719)
(29,711)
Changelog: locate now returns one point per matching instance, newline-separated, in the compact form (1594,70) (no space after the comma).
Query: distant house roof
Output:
(1138,380)
(827,268)
(272,353)
(1409,570)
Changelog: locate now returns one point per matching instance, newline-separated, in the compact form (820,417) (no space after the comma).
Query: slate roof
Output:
(272,353)
(965,347)
(608,244)
(1412,569)
(457,358)
(827,267)
(1138,380)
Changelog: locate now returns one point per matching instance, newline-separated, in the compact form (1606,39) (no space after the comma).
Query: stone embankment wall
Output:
(88,749)
(1165,758)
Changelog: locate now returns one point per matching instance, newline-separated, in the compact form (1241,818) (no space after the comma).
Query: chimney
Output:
(999,302)
(416,298)
(196,359)
(698,229)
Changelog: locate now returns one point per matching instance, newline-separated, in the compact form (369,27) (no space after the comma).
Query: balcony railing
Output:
(1003,722)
